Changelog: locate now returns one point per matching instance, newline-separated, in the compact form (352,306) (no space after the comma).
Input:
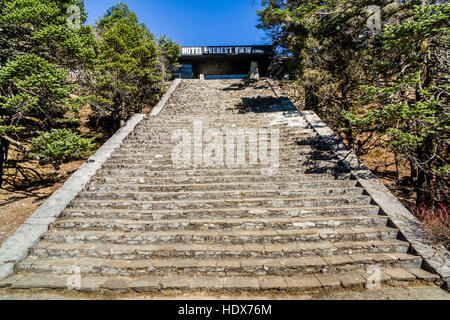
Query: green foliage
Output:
(328,43)
(389,89)
(131,67)
(30,86)
(51,65)
(38,52)
(38,48)
(60,145)
(40,27)
(413,111)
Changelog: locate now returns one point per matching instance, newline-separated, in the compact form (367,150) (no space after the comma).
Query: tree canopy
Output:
(387,88)
(131,66)
(51,64)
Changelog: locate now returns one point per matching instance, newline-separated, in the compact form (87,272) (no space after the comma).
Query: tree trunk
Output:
(423,189)
(4,147)
(397,171)
(348,127)
(311,100)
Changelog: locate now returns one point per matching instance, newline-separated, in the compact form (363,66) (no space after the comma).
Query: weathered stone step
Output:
(221,186)
(161,163)
(215,213)
(199,251)
(225,236)
(284,147)
(180,179)
(145,283)
(219,123)
(332,169)
(144,135)
(221,224)
(216,195)
(219,267)
(168,164)
(285,144)
(162,160)
(228,203)
(173,165)
(143,159)
(145,224)
(166,142)
(293,147)
(237,129)
(301,174)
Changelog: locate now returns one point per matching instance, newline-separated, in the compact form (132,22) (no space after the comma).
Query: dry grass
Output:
(437,221)
(32,185)
(27,183)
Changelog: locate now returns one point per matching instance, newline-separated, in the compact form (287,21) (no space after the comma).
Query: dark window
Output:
(184,72)
(224,76)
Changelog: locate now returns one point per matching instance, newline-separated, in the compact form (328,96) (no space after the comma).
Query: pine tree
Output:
(132,65)
(413,109)
(38,49)
(374,86)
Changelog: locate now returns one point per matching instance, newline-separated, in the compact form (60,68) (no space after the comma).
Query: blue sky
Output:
(194,22)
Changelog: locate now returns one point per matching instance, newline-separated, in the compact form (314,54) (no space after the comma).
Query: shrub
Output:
(437,221)
(60,145)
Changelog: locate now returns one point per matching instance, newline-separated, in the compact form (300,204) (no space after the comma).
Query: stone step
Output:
(225,204)
(286,148)
(221,186)
(205,251)
(168,164)
(162,160)
(216,195)
(220,224)
(146,136)
(264,169)
(225,236)
(220,120)
(143,223)
(300,174)
(219,267)
(298,145)
(156,152)
(154,284)
(148,128)
(215,213)
(283,140)
(195,180)
(143,159)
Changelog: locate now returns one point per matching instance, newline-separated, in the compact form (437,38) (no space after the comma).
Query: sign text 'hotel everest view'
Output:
(226,50)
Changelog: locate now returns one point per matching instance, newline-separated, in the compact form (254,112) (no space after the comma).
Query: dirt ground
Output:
(412,292)
(17,205)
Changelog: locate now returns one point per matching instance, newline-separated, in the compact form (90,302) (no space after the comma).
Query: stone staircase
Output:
(145,223)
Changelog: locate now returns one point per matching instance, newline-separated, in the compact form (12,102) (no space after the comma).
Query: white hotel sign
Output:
(199,51)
